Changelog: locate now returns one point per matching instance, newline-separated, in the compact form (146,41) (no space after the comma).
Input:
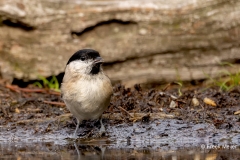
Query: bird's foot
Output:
(102,129)
(101,133)
(80,137)
(73,137)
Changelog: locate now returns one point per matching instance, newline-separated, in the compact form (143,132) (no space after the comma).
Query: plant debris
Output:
(42,111)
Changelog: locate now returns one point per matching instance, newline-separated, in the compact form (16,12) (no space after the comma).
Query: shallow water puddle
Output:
(50,150)
(160,139)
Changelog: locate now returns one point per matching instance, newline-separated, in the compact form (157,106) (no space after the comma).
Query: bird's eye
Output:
(82,58)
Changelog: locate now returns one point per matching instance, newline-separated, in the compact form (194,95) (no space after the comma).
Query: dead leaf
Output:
(17,110)
(209,102)
(237,112)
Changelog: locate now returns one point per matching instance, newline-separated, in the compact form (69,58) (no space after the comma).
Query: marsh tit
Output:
(85,89)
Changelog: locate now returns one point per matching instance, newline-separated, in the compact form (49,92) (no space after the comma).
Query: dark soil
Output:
(135,118)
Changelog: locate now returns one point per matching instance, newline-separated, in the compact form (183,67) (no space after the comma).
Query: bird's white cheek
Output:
(79,67)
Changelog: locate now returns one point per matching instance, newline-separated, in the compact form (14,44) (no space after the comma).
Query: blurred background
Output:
(150,42)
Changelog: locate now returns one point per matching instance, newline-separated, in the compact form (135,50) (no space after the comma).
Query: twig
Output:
(178,100)
(13,88)
(55,103)
(124,111)
(34,90)
(54,93)
(166,87)
(169,95)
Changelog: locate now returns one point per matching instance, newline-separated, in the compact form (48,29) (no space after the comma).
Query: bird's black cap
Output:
(84,54)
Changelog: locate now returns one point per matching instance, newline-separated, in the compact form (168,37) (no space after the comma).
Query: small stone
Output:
(173,104)
(195,102)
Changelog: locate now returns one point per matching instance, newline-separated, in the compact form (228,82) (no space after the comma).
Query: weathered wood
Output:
(142,42)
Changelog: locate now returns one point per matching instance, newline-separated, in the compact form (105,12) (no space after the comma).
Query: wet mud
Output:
(140,124)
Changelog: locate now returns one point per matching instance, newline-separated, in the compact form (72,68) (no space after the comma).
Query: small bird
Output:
(85,89)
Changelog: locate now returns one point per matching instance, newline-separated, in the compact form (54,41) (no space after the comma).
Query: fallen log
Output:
(141,41)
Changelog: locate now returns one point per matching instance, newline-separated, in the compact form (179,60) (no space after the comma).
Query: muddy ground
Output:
(159,119)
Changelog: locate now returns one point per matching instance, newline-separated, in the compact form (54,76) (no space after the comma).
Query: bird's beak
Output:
(98,60)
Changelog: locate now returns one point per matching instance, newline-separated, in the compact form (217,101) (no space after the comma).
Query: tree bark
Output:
(141,41)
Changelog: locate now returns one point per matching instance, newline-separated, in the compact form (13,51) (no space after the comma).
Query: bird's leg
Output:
(78,152)
(75,133)
(102,129)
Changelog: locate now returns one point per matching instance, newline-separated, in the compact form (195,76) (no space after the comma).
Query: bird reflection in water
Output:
(89,151)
